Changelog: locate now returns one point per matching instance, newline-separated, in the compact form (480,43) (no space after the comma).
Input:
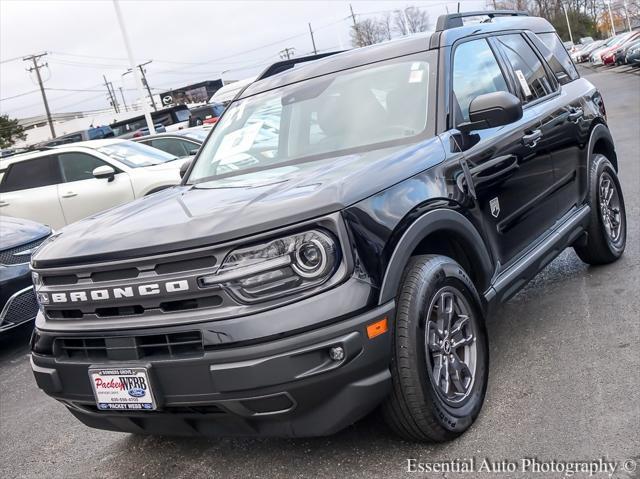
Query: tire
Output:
(418,409)
(605,241)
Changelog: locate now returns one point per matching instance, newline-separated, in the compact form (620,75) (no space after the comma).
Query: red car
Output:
(609,55)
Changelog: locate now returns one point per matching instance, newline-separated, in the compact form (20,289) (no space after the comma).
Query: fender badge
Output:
(494,205)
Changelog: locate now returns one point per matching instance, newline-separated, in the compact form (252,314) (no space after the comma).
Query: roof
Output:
(93,144)
(186,132)
(35,153)
(403,46)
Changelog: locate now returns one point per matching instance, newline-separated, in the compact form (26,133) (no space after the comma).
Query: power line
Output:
(19,95)
(10,60)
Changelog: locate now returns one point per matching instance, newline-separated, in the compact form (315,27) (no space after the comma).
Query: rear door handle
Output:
(3,203)
(69,194)
(531,139)
(576,115)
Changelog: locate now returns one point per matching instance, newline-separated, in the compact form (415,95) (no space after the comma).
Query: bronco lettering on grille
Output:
(119,293)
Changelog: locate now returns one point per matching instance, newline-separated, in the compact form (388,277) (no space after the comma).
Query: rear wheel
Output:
(440,358)
(607,231)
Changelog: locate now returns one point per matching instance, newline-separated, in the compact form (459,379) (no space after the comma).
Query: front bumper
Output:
(17,298)
(281,387)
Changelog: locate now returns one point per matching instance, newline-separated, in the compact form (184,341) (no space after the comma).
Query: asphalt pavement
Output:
(564,382)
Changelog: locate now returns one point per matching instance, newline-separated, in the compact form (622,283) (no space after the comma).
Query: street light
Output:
(613,27)
(222,73)
(132,63)
(566,15)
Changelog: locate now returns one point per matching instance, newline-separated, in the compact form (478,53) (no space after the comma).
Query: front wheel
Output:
(607,231)
(440,358)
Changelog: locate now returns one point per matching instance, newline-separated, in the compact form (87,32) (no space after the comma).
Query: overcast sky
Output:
(188,41)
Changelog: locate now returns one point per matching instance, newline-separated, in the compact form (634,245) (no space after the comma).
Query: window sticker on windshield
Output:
(416,66)
(416,76)
(238,141)
(523,83)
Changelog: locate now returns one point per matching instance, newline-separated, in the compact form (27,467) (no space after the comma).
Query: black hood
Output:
(229,208)
(16,232)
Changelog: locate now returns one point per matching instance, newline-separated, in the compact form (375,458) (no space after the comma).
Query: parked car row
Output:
(618,50)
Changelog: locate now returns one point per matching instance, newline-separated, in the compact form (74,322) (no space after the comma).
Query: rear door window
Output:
(173,146)
(529,73)
(558,57)
(43,171)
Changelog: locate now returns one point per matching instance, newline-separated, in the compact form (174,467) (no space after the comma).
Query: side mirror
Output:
(492,109)
(562,78)
(184,168)
(105,171)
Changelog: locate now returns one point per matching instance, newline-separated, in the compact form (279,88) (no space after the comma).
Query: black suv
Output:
(337,243)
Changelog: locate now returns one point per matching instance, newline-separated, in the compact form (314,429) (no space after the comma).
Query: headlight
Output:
(277,268)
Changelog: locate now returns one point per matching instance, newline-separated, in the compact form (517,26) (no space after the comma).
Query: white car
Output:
(66,183)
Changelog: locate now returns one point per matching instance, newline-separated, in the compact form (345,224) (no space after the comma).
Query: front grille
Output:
(20,308)
(158,267)
(124,348)
(211,301)
(11,256)
(163,284)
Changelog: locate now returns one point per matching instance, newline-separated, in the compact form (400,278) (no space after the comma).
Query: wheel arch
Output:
(440,231)
(601,142)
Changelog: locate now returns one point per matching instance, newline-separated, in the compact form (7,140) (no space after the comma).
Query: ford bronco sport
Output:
(337,243)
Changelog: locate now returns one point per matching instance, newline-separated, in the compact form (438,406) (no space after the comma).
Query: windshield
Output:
(135,155)
(319,117)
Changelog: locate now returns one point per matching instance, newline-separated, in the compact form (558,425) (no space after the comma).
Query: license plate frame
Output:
(122,388)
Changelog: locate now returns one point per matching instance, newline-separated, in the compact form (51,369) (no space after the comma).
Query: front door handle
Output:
(496,168)
(69,194)
(532,138)
(576,115)
(3,203)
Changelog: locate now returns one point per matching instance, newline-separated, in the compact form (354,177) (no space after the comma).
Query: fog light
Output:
(336,353)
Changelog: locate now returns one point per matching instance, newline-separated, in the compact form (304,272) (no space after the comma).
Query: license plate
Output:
(122,389)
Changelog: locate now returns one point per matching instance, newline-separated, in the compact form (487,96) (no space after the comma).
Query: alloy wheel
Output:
(450,345)
(609,200)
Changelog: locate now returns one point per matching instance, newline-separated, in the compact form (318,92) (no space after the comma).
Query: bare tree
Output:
(367,32)
(411,20)
(386,25)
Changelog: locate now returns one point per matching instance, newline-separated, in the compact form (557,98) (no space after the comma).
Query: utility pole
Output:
(115,97)
(132,62)
(613,27)
(286,53)
(111,95)
(146,83)
(353,16)
(36,67)
(313,41)
(124,102)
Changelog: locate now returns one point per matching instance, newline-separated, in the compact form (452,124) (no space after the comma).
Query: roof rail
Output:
(454,20)
(284,65)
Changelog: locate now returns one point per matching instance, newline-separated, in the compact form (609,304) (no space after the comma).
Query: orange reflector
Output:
(377,328)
